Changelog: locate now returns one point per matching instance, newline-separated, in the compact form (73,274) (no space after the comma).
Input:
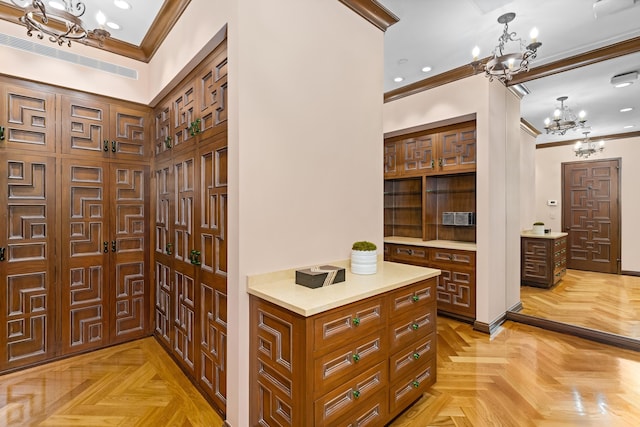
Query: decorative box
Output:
(317,277)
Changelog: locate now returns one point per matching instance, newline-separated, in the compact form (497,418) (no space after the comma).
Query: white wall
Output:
(548,186)
(496,112)
(527,179)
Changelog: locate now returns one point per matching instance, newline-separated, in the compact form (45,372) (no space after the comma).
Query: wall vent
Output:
(65,55)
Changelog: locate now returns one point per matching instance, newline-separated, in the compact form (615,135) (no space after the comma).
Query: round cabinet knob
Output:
(416,356)
(356,394)
(415,384)
(415,298)
(415,326)
(356,357)
(356,321)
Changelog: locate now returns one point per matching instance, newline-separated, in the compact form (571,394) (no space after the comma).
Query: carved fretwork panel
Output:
(212,87)
(28,117)
(163,303)
(163,210)
(390,160)
(85,256)
(418,155)
(162,139)
(213,342)
(184,321)
(27,269)
(184,176)
(184,106)
(85,127)
(535,255)
(456,291)
(128,134)
(458,150)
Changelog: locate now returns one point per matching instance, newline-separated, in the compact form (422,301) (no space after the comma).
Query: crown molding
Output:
(529,128)
(168,15)
(373,12)
(610,137)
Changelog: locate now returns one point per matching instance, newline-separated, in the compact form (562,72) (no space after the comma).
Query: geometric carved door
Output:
(591,214)
(163,251)
(27,265)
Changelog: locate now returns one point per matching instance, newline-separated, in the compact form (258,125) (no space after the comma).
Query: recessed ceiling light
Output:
(113,25)
(626,110)
(426,69)
(628,127)
(398,79)
(56,5)
(122,4)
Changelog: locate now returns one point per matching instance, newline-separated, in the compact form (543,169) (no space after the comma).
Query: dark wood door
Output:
(85,255)
(85,127)
(128,133)
(27,119)
(591,214)
(27,259)
(183,112)
(418,155)
(212,95)
(162,139)
(129,252)
(212,233)
(458,150)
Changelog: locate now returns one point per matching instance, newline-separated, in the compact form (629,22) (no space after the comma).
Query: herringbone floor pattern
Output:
(605,302)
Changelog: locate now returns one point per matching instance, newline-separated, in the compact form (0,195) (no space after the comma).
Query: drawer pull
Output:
(415,384)
(416,356)
(415,298)
(105,145)
(415,326)
(356,321)
(113,146)
(356,394)
(356,357)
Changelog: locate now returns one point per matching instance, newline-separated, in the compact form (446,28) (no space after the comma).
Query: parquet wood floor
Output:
(605,302)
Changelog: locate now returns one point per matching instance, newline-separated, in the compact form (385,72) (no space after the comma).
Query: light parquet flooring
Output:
(605,302)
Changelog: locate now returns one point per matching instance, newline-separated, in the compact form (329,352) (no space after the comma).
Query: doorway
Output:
(591,214)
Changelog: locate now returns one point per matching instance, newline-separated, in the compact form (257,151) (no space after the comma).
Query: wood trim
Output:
(455,121)
(630,273)
(489,328)
(529,128)
(610,137)
(373,12)
(578,331)
(591,57)
(167,17)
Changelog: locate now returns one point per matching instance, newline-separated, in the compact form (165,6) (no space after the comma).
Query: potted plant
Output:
(364,258)
(538,228)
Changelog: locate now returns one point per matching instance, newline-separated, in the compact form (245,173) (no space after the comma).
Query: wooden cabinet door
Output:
(129,245)
(163,252)
(457,150)
(27,119)
(391,160)
(183,109)
(27,259)
(418,155)
(128,133)
(212,233)
(85,127)
(211,83)
(85,246)
(185,262)
(162,139)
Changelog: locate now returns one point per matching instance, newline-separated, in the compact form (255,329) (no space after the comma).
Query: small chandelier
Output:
(584,149)
(62,24)
(564,119)
(505,65)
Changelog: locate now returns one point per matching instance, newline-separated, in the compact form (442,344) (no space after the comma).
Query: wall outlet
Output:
(552,202)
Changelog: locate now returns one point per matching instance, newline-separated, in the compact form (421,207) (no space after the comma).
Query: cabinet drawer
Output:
(449,256)
(347,324)
(410,329)
(331,369)
(350,396)
(415,298)
(373,413)
(410,358)
(411,387)
(417,255)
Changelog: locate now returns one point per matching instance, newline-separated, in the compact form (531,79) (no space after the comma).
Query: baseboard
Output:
(516,307)
(489,328)
(630,273)
(226,424)
(578,331)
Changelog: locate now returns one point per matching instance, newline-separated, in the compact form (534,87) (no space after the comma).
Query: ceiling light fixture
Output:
(624,80)
(122,4)
(564,119)
(60,21)
(426,69)
(626,109)
(506,63)
(398,79)
(584,149)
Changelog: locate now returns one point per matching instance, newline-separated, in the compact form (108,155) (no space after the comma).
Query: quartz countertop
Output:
(280,287)
(442,244)
(552,235)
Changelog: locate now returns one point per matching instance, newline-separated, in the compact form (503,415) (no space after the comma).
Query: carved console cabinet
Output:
(356,363)
(543,259)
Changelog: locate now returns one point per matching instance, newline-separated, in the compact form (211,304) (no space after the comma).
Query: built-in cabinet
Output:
(190,223)
(543,259)
(74,249)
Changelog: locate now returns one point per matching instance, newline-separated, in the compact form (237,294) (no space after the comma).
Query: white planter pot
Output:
(538,229)
(364,262)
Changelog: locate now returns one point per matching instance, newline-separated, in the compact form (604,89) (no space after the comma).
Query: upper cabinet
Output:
(446,150)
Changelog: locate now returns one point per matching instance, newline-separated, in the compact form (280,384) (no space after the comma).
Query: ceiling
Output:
(441,34)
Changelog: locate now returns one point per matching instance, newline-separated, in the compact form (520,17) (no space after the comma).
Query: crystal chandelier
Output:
(564,119)
(504,64)
(584,149)
(62,24)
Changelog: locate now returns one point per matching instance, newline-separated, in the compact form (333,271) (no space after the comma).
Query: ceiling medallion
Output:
(584,149)
(63,25)
(564,119)
(504,63)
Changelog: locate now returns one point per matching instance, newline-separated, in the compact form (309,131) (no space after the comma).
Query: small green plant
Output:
(364,246)
(538,223)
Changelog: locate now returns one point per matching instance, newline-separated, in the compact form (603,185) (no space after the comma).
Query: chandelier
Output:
(505,63)
(62,24)
(584,149)
(564,119)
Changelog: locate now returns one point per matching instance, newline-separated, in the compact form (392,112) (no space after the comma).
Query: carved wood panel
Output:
(128,133)
(418,155)
(129,251)
(391,160)
(183,106)
(213,342)
(458,150)
(163,251)
(162,139)
(85,126)
(85,255)
(27,260)
(28,118)
(212,91)
(456,291)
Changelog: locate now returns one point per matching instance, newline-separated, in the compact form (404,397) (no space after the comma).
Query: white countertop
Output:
(552,235)
(280,287)
(442,244)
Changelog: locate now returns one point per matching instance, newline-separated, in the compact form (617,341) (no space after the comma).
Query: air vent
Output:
(65,55)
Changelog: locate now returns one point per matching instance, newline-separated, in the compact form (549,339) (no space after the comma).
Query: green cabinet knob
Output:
(415,326)
(356,394)
(356,357)
(415,384)
(356,321)
(416,356)
(415,298)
